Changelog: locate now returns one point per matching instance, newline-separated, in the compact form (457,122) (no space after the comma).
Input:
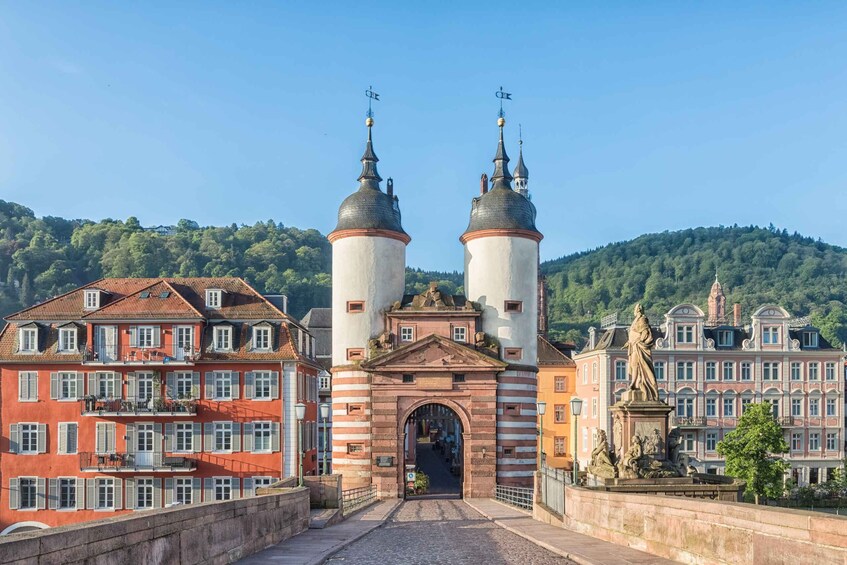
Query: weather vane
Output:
(502,96)
(371,97)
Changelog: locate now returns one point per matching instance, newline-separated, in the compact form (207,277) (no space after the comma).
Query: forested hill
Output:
(755,265)
(43,257)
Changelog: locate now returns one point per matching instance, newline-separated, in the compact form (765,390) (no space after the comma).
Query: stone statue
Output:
(673,447)
(432,297)
(601,462)
(629,465)
(639,344)
(653,444)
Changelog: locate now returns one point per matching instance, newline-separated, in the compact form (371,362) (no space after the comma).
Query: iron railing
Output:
(94,406)
(690,421)
(553,483)
(138,461)
(355,498)
(519,497)
(128,355)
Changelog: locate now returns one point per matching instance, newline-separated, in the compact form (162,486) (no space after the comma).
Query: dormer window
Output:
(685,334)
(810,339)
(67,340)
(214,297)
(725,338)
(770,335)
(223,338)
(92,299)
(28,340)
(262,338)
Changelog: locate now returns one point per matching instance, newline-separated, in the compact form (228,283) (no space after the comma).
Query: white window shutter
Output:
(209,437)
(42,438)
(54,386)
(157,386)
(248,436)
(235,486)
(93,389)
(110,437)
(119,389)
(235,382)
(130,386)
(157,492)
(80,494)
(208,489)
(72,441)
(236,436)
(210,385)
(130,494)
(170,382)
(13,494)
(197,440)
(157,437)
(249,490)
(130,438)
(169,438)
(169,491)
(275,384)
(275,436)
(14,438)
(63,438)
(52,494)
(133,336)
(40,493)
(80,385)
(195,385)
(195,490)
(23,386)
(157,336)
(248,384)
(119,494)
(91,494)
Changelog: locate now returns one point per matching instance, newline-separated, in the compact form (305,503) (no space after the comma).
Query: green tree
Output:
(752,451)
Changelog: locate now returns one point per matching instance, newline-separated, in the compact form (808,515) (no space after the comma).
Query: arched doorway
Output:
(434,452)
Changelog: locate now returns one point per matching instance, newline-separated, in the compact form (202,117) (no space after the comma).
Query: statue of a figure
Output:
(653,444)
(640,343)
(630,463)
(673,447)
(601,462)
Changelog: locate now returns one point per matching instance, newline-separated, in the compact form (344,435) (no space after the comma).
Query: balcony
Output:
(111,407)
(140,356)
(142,461)
(689,421)
(786,421)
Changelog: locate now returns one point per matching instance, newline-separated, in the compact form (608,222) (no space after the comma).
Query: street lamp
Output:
(324,408)
(576,410)
(300,413)
(542,408)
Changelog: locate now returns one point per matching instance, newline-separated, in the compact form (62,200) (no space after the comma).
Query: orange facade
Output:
(556,383)
(125,418)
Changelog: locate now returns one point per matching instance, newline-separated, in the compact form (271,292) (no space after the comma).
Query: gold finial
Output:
(501,122)
(369,122)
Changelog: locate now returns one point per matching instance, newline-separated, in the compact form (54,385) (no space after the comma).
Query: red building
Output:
(128,394)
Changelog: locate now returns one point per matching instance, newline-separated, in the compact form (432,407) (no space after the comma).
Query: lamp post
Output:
(324,408)
(300,413)
(576,410)
(542,408)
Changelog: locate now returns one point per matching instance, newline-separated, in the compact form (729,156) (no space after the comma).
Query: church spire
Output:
(501,176)
(521,173)
(369,177)
(717,303)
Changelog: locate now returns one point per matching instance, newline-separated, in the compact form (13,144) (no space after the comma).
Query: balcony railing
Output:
(690,421)
(786,421)
(92,406)
(125,355)
(151,461)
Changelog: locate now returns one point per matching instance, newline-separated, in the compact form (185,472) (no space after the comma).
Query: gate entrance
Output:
(433,453)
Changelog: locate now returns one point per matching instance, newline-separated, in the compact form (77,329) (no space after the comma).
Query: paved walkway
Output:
(314,546)
(579,548)
(443,532)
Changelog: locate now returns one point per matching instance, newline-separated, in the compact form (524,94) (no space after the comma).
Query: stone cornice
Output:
(501,232)
(368,232)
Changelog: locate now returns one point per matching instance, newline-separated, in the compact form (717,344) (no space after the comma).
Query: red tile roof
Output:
(69,306)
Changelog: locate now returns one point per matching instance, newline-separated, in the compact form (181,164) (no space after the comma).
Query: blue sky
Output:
(637,117)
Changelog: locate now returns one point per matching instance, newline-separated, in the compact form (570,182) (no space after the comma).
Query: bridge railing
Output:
(355,498)
(519,497)
(553,483)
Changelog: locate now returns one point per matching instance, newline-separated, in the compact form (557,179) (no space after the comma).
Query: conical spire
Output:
(501,176)
(521,173)
(369,177)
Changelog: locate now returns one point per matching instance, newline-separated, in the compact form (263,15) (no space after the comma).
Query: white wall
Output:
(365,268)
(501,268)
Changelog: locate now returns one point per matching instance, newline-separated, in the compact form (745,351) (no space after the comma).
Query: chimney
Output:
(736,315)
(483,184)
(285,304)
(390,186)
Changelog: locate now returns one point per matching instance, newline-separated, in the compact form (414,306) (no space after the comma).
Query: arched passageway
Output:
(434,448)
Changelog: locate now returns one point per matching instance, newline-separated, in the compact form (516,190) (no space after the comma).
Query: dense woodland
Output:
(43,257)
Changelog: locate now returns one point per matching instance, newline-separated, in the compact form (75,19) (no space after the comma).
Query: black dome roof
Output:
(502,208)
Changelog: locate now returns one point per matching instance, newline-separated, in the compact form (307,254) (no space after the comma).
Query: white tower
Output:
(501,275)
(368,274)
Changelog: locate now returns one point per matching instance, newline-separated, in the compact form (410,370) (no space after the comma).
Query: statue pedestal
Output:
(647,419)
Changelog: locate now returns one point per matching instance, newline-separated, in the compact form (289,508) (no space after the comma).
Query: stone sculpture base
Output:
(648,419)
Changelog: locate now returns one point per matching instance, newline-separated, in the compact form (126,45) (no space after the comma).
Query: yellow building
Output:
(556,375)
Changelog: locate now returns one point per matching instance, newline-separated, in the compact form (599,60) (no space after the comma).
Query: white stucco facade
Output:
(500,269)
(369,269)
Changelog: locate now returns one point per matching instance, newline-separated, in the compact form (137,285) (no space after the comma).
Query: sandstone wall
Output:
(211,532)
(703,532)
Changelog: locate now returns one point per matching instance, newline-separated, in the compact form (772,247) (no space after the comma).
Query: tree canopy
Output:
(752,451)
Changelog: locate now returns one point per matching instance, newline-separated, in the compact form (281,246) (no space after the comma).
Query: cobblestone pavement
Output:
(442,531)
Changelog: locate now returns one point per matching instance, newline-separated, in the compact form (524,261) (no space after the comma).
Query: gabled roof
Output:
(157,301)
(549,355)
(434,353)
(318,318)
(69,306)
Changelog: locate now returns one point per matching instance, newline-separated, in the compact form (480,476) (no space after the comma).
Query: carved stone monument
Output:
(640,419)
